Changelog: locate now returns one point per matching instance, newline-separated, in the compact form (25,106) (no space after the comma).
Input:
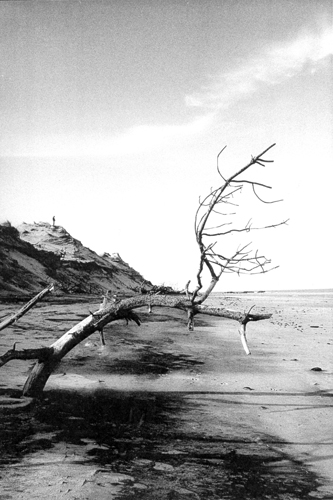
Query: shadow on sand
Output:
(138,434)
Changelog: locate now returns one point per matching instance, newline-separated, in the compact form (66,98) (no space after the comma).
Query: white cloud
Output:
(271,67)
(146,137)
(139,139)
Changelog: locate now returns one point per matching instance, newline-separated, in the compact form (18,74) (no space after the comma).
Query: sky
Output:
(113,114)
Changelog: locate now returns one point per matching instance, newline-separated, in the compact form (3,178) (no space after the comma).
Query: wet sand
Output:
(161,412)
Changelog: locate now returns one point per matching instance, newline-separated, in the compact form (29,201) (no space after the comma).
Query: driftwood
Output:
(26,307)
(96,321)
(241,260)
(49,357)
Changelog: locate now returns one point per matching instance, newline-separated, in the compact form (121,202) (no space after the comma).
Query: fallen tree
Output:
(241,260)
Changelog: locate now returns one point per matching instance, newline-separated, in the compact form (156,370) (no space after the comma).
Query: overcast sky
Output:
(113,113)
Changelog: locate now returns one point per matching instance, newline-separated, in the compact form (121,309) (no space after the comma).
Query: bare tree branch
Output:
(246,228)
(41,353)
(213,260)
(26,307)
(263,201)
(243,181)
(217,162)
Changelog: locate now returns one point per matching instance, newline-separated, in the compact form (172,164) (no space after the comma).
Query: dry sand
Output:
(167,414)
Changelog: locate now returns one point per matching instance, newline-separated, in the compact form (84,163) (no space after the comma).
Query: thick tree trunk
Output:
(40,373)
(37,379)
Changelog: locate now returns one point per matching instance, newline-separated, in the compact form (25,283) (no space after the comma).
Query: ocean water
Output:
(302,298)
(296,292)
(309,291)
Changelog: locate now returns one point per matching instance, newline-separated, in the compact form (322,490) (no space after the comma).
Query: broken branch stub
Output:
(242,334)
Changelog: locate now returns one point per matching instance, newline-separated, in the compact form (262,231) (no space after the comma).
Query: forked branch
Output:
(242,260)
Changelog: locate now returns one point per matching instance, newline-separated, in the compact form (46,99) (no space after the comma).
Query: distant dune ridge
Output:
(33,255)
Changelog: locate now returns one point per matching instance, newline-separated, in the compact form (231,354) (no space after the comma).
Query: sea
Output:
(305,291)
(315,297)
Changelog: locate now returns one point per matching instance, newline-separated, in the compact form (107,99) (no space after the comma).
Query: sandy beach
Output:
(163,413)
